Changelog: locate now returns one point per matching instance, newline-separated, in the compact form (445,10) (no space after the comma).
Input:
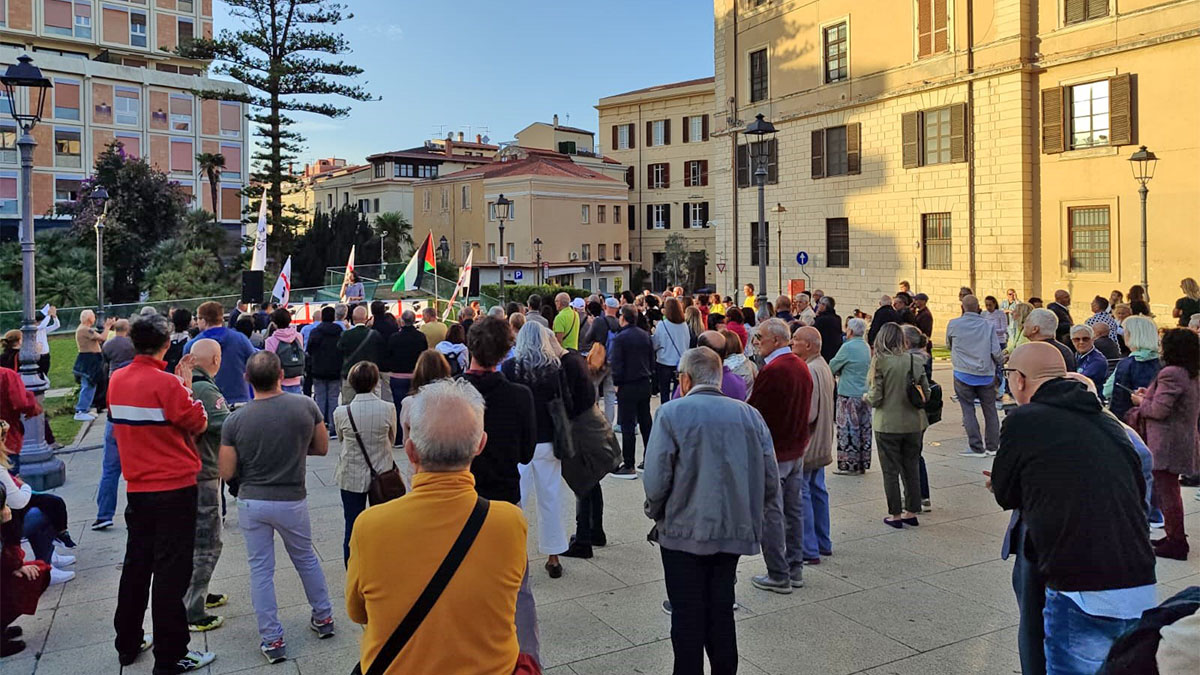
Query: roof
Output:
(662,87)
(536,164)
(575,130)
(434,154)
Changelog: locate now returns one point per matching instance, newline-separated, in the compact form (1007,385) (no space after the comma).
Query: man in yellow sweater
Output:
(443,431)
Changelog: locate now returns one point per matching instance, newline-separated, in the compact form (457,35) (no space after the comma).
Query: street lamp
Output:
(100,196)
(22,83)
(762,135)
(443,249)
(779,210)
(503,209)
(537,250)
(1143,162)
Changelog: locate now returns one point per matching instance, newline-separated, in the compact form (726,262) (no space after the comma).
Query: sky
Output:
(493,67)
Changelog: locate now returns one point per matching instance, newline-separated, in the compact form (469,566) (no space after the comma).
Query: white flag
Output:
(464,280)
(259,261)
(283,286)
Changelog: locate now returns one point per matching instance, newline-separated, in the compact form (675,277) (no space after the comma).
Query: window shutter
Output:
(1076,11)
(818,153)
(687,129)
(1097,9)
(631,214)
(649,134)
(649,216)
(667,131)
(687,215)
(853,151)
(940,21)
(958,132)
(666,216)
(703,214)
(924,28)
(632,134)
(614,143)
(772,161)
(704,171)
(1053,136)
(649,176)
(910,126)
(1120,121)
(666,174)
(743,166)
(704,128)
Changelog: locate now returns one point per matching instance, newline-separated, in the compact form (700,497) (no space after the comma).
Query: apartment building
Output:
(115,79)
(662,135)
(575,212)
(961,142)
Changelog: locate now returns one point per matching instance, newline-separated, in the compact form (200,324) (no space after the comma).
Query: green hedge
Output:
(521,292)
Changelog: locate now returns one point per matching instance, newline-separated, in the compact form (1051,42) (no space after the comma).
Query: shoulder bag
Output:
(916,395)
(429,597)
(385,486)
(560,417)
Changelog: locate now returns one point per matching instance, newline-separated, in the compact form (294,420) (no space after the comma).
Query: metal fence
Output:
(379,278)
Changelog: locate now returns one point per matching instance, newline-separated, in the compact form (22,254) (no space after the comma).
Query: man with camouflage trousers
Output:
(207,549)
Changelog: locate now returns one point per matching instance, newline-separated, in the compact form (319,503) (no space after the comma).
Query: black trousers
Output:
(589,516)
(700,588)
(665,378)
(162,534)
(633,409)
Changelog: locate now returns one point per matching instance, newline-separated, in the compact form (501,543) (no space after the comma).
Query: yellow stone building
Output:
(662,134)
(982,143)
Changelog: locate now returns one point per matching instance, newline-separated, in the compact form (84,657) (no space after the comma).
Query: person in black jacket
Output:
(400,356)
(382,321)
(884,315)
(360,343)
(829,325)
(325,363)
(1062,311)
(1073,474)
(631,355)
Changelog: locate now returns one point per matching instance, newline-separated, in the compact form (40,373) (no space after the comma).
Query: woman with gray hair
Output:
(898,424)
(850,365)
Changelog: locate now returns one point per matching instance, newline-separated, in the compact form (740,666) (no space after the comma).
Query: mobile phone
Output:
(1118,384)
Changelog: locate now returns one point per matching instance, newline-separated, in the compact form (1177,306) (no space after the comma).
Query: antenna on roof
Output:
(486,140)
(568,117)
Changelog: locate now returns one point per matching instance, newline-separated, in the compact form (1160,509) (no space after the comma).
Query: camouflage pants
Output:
(207,549)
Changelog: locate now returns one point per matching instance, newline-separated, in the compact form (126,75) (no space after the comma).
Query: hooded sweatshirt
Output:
(1072,471)
(285,335)
(235,351)
(510,423)
(458,352)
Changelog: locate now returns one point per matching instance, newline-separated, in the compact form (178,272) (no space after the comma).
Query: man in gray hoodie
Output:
(707,489)
(975,354)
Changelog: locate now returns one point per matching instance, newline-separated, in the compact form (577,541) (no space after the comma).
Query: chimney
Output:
(555,119)
(460,137)
(478,138)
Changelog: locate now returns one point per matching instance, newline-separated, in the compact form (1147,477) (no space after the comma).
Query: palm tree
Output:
(397,232)
(212,163)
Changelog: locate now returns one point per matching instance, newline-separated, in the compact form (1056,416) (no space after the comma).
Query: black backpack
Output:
(175,353)
(292,358)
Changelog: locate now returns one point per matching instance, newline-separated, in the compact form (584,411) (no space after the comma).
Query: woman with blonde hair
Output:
(1016,325)
(1189,304)
(695,321)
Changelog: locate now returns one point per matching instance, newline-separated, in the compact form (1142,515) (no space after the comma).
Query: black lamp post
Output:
(761,133)
(537,249)
(1143,163)
(443,249)
(100,196)
(26,88)
(503,208)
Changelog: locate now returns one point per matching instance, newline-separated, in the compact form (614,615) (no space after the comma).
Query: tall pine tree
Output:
(285,53)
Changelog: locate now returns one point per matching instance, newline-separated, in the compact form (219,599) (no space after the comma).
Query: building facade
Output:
(662,135)
(979,143)
(115,79)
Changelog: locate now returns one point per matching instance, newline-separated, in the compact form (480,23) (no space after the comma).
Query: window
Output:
(937,136)
(83,19)
(603,281)
(66,188)
(659,132)
(601,251)
(566,147)
(622,136)
(364,206)
(935,240)
(697,173)
(379,168)
(617,214)
(1089,115)
(8,193)
(932,27)
(837,53)
(181,112)
(758,75)
(67,148)
(695,214)
(934,136)
(329,200)
(231,119)
(425,200)
(837,242)
(403,170)
(1089,238)
(375,206)
(587,283)
(745,170)
(632,217)
(584,213)
(184,6)
(660,216)
(491,253)
(66,99)
(127,106)
(445,198)
(585,252)
(56,17)
(835,151)
(754,243)
(616,251)
(8,141)
(182,157)
(427,171)
(466,197)
(659,176)
(345,199)
(187,32)
(600,213)
(1078,11)
(695,129)
(233,161)
(512,211)
(137,29)
(512,251)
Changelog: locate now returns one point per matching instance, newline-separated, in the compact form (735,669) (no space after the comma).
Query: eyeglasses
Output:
(1009,371)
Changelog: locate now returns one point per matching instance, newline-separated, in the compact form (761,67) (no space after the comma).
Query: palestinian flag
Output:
(422,263)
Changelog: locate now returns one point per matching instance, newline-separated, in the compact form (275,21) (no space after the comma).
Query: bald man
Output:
(806,343)
(1105,344)
(206,355)
(361,343)
(1074,481)
(1062,311)
(884,315)
(732,385)
(566,322)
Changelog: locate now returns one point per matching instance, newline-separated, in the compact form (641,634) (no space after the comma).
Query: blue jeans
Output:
(816,515)
(781,542)
(1077,642)
(1031,601)
(110,476)
(399,387)
(325,393)
(293,388)
(40,533)
(353,503)
(87,391)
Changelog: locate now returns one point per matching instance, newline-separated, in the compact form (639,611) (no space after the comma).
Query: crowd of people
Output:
(754,401)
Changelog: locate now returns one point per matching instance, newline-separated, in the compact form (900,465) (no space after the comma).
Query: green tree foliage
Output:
(211,165)
(66,287)
(674,263)
(397,236)
(180,273)
(287,55)
(327,244)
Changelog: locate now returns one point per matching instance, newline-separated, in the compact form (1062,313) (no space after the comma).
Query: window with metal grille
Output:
(837,53)
(935,240)
(837,242)
(758,75)
(1089,238)
(1089,114)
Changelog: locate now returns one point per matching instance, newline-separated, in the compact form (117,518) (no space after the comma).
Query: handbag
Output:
(917,396)
(933,407)
(597,451)
(564,443)
(429,597)
(385,486)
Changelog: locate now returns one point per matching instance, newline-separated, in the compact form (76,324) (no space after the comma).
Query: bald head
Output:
(562,300)
(208,355)
(970,304)
(121,327)
(713,340)
(1032,365)
(1062,297)
(359,315)
(1100,329)
(806,342)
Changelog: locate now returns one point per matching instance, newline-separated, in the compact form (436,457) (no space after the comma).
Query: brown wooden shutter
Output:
(924,28)
(703,214)
(667,216)
(1097,9)
(632,134)
(704,129)
(631,214)
(614,143)
(772,161)
(687,129)
(818,153)
(854,149)
(649,216)
(704,172)
(958,132)
(1076,11)
(1054,137)
(666,174)
(1120,121)
(743,166)
(687,215)
(941,33)
(910,130)
(667,131)
(649,176)
(649,134)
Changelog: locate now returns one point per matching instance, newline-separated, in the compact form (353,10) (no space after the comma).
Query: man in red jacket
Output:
(782,394)
(155,420)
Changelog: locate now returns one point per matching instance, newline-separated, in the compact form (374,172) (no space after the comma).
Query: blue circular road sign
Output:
(802,257)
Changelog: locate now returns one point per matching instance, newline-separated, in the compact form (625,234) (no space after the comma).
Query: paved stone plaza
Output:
(936,599)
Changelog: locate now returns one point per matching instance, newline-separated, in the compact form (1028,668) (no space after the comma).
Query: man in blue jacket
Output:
(235,350)
(630,353)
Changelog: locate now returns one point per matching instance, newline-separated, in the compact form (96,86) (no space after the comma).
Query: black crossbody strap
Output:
(358,438)
(420,609)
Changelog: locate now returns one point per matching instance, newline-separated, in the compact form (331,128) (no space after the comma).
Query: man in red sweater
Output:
(155,420)
(782,394)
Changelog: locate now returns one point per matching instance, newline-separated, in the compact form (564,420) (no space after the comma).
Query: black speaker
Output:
(252,286)
(473,284)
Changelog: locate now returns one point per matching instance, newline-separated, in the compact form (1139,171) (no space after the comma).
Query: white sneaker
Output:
(84,417)
(60,560)
(58,576)
(1198,494)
